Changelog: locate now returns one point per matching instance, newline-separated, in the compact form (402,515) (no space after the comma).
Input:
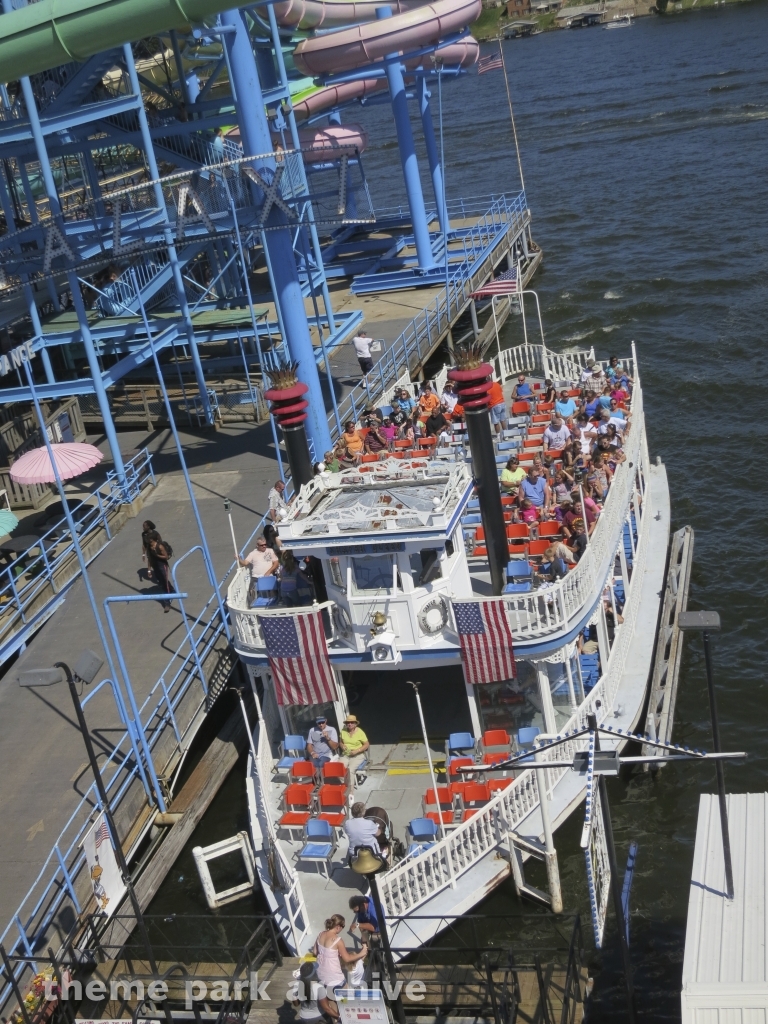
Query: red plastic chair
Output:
(479,534)
(496,758)
(370,458)
(334,772)
(546,406)
(427,442)
(534,442)
(517,531)
(332,801)
(550,529)
(405,443)
(574,393)
(508,499)
(537,430)
(538,547)
(454,764)
(474,796)
(445,796)
(396,455)
(303,772)
(520,408)
(496,785)
(297,800)
(480,551)
(363,431)
(540,418)
(496,738)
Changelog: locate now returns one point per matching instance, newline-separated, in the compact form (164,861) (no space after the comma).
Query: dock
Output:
(725,966)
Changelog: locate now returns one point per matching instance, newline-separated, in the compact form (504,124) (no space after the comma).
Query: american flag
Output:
(489,63)
(298,658)
(486,641)
(102,833)
(504,284)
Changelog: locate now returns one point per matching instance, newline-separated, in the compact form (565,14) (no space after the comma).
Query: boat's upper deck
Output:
(403,538)
(408,500)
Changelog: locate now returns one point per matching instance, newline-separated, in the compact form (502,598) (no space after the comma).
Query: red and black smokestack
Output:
(289,406)
(472,379)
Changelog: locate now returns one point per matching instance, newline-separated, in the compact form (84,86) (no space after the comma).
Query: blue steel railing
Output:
(129,760)
(24,581)
(501,213)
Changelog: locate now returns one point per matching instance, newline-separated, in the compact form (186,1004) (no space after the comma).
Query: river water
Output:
(644,153)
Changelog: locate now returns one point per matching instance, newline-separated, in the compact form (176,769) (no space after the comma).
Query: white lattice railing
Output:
(411,883)
(554,365)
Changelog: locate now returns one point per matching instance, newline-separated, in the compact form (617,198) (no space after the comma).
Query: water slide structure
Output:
(182,180)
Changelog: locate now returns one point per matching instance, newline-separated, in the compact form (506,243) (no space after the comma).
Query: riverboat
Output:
(402,546)
(620,21)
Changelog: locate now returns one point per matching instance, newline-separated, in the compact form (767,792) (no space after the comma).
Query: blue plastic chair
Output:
(518,588)
(423,835)
(506,446)
(473,505)
(459,742)
(319,844)
(292,749)
(266,592)
(473,519)
(525,738)
(519,569)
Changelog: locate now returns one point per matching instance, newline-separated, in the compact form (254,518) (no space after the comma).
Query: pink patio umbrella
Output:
(72,459)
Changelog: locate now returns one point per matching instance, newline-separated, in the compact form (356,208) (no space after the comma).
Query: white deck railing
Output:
(414,881)
(283,877)
(549,611)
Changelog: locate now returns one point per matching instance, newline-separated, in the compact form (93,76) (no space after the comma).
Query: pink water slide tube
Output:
(364,44)
(462,54)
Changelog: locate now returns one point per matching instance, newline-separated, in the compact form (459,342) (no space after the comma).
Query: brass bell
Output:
(379,621)
(366,862)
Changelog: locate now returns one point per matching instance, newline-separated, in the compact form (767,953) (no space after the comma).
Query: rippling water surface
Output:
(644,154)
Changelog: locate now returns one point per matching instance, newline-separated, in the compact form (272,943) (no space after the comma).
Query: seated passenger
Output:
(435,422)
(557,435)
(512,476)
(353,442)
(428,400)
(522,391)
(361,831)
(388,431)
(449,398)
(565,406)
(558,556)
(579,542)
(527,514)
(536,489)
(375,441)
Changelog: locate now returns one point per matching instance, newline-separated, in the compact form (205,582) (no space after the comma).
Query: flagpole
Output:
(512,114)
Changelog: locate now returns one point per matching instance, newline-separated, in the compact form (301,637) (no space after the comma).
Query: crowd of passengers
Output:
(567,480)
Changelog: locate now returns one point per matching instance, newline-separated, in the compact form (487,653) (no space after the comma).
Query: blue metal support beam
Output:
(408,158)
(254,131)
(433,157)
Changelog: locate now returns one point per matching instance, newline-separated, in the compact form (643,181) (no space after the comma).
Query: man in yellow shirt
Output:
(354,744)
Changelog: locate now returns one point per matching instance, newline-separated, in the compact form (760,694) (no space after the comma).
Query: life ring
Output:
(433,616)
(342,622)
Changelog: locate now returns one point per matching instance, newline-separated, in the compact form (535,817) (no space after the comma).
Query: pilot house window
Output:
(373,573)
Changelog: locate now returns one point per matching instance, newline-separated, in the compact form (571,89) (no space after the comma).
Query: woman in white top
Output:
(331,953)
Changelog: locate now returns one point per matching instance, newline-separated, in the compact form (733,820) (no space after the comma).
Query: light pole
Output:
(88,664)
(367,863)
(429,756)
(705,623)
(618,906)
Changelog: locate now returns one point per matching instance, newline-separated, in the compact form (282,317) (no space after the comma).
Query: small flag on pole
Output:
(504,284)
(489,63)
(101,835)
(298,658)
(486,641)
